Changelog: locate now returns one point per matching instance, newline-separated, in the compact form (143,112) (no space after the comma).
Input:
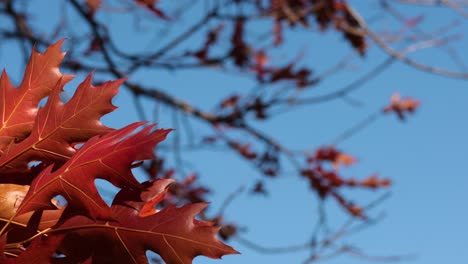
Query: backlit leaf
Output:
(18,106)
(108,157)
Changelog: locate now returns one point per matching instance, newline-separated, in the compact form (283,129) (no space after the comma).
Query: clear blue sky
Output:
(425,157)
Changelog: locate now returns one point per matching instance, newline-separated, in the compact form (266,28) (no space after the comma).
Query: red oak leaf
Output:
(58,127)
(173,233)
(19,105)
(108,157)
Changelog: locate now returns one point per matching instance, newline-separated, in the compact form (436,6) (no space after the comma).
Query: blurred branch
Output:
(403,55)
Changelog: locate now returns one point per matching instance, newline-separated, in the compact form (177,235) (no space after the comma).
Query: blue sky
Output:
(425,157)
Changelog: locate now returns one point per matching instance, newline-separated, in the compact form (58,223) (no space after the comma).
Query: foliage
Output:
(262,49)
(71,148)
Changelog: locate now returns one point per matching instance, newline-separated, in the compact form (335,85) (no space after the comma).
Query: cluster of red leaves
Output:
(257,61)
(246,57)
(268,74)
(401,106)
(73,148)
(325,13)
(323,173)
(243,55)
